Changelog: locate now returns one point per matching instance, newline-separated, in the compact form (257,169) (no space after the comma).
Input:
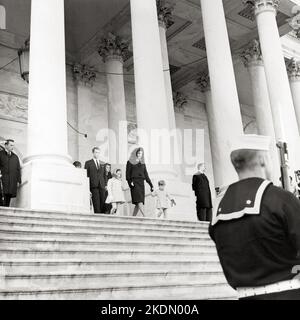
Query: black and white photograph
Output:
(149,151)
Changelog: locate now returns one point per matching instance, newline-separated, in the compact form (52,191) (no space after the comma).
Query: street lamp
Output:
(23,54)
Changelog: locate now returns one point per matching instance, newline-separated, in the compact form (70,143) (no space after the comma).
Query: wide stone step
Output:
(104,254)
(26,242)
(95,279)
(103,218)
(180,291)
(128,228)
(43,233)
(54,255)
(48,266)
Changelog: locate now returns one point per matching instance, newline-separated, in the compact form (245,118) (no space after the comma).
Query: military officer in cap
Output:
(256,228)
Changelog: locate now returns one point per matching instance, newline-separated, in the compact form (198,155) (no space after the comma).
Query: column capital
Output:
(84,74)
(113,47)
(164,13)
(293,69)
(260,6)
(203,82)
(294,22)
(180,101)
(252,56)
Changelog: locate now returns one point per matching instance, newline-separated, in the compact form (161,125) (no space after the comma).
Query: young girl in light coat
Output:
(115,189)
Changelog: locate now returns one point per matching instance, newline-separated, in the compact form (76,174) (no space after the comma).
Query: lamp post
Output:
(23,54)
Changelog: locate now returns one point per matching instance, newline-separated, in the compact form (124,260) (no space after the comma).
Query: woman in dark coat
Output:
(203,194)
(136,174)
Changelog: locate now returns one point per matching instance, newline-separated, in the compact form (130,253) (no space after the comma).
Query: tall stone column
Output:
(293,69)
(219,150)
(165,20)
(152,108)
(113,50)
(284,117)
(151,100)
(85,78)
(180,104)
(49,180)
(223,92)
(253,61)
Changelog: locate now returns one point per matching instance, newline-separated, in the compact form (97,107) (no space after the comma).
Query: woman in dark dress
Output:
(136,174)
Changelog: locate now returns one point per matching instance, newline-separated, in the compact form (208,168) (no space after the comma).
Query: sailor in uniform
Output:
(256,228)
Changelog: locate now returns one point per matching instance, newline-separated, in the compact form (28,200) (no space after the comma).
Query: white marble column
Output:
(293,69)
(47,88)
(113,49)
(214,116)
(180,103)
(164,20)
(151,100)
(152,108)
(284,117)
(227,115)
(85,78)
(164,12)
(49,180)
(253,61)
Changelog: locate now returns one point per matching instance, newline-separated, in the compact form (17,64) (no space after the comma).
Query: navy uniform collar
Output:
(239,199)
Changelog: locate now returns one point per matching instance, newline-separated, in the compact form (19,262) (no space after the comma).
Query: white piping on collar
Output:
(247,210)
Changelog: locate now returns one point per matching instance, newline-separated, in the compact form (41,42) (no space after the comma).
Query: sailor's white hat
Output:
(250,142)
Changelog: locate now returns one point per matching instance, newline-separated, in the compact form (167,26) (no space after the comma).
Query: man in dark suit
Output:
(10,172)
(96,174)
(202,192)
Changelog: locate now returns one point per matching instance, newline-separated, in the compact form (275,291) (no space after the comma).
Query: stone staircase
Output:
(51,255)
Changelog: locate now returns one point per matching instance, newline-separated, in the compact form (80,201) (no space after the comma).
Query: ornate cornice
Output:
(180,101)
(294,22)
(252,55)
(293,69)
(113,47)
(164,13)
(84,74)
(203,82)
(260,6)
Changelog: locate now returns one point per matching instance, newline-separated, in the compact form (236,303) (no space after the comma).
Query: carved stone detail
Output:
(293,69)
(132,132)
(252,55)
(263,5)
(203,82)
(84,74)
(180,101)
(113,47)
(164,13)
(13,107)
(294,22)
